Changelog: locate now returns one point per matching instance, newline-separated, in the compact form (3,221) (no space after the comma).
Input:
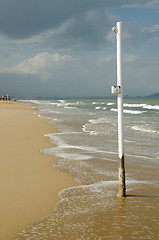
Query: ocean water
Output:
(86,144)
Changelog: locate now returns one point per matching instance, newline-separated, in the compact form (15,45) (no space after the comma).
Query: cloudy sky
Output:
(67,47)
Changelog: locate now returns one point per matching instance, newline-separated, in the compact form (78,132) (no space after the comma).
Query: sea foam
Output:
(128,111)
(143,129)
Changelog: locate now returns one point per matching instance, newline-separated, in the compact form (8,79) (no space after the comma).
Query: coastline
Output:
(29,184)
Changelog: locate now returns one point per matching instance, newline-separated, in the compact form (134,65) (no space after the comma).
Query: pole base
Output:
(122,186)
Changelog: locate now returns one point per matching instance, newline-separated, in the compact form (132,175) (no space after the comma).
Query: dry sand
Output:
(29,185)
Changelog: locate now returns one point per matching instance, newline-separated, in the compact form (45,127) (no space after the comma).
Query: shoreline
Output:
(29,183)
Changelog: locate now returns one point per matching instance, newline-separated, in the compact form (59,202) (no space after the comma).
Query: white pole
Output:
(120,94)
(122,188)
(119,91)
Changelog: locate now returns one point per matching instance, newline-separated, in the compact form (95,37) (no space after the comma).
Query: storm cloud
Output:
(23,19)
(64,47)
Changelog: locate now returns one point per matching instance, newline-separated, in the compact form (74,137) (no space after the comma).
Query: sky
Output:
(66,48)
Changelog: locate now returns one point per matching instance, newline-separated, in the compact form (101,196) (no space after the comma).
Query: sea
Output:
(86,144)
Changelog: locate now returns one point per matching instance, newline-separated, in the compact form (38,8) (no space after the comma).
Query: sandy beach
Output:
(93,210)
(29,185)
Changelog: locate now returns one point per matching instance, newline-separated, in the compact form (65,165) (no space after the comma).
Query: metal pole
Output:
(119,91)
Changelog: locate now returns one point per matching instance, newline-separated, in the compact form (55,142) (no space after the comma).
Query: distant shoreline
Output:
(152,96)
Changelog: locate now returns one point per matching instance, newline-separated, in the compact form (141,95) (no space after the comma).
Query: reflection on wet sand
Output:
(95,212)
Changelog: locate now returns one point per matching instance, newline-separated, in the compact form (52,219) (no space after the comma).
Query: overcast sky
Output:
(67,47)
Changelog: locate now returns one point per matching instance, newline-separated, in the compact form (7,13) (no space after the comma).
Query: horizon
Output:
(151,96)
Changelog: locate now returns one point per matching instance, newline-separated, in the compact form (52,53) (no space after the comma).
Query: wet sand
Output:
(29,185)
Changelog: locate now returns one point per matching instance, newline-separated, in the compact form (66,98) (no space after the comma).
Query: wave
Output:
(80,103)
(61,104)
(30,101)
(144,105)
(153,107)
(110,104)
(128,111)
(133,111)
(89,131)
(40,116)
(70,107)
(132,105)
(99,120)
(143,129)
(96,130)
(98,187)
(61,154)
(62,101)
(98,103)
(63,146)
(114,109)
(55,138)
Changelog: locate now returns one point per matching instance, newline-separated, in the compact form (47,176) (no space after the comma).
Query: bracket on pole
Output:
(115,29)
(116,89)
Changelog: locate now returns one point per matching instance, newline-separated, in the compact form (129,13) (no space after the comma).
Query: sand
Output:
(29,185)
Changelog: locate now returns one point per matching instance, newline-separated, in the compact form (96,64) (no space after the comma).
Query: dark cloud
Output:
(22,19)
(25,18)
(62,24)
(87,31)
(67,25)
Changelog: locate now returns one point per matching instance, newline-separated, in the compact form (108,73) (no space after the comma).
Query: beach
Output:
(58,141)
(29,185)
(86,147)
